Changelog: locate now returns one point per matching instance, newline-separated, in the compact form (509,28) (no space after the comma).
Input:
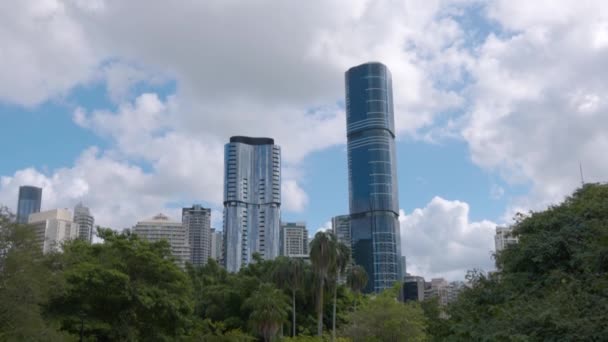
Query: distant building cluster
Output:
(415,288)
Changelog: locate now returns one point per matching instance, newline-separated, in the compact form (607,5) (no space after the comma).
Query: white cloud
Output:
(44,51)
(537,103)
(440,241)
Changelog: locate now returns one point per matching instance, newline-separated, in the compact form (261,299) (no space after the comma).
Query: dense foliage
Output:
(551,286)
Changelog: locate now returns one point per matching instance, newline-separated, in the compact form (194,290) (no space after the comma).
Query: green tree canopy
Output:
(552,285)
(122,289)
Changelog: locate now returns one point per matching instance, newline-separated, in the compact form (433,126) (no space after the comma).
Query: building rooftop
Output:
(251,140)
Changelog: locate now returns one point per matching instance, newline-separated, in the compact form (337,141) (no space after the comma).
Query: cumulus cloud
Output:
(440,241)
(538,105)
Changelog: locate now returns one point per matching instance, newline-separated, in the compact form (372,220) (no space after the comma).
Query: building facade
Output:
(294,240)
(439,288)
(503,238)
(340,226)
(217,246)
(413,289)
(85,222)
(196,221)
(53,227)
(29,201)
(252,200)
(372,174)
(159,228)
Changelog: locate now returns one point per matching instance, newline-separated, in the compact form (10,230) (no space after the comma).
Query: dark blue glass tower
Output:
(30,198)
(372,174)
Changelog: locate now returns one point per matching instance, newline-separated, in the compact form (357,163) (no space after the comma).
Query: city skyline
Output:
(495,106)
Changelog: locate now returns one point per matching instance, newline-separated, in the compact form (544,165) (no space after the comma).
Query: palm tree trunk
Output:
(333,321)
(320,309)
(293,313)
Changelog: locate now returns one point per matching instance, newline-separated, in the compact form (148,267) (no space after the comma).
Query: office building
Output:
(196,222)
(372,174)
(413,289)
(160,228)
(503,238)
(252,200)
(294,240)
(30,199)
(85,222)
(217,245)
(53,227)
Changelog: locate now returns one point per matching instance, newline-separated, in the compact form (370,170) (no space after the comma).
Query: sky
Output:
(126,106)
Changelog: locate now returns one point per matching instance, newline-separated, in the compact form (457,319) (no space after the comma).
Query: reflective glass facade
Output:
(30,198)
(372,174)
(252,200)
(85,222)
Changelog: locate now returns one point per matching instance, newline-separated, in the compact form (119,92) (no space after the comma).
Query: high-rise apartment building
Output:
(197,223)
(252,200)
(30,198)
(53,227)
(217,245)
(85,222)
(294,240)
(503,238)
(372,174)
(159,228)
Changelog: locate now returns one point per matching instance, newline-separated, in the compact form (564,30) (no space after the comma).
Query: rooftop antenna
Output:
(580,166)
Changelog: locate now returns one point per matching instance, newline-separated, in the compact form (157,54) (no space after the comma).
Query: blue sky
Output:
(496,102)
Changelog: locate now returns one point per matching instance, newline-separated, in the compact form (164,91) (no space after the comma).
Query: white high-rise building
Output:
(53,227)
(197,223)
(294,239)
(503,238)
(160,227)
(85,222)
(217,245)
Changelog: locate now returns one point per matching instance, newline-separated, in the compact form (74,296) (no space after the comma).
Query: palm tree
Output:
(270,309)
(342,261)
(289,273)
(323,258)
(357,280)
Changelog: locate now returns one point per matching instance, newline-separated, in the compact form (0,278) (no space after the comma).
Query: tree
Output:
(122,289)
(25,285)
(551,285)
(323,258)
(342,260)
(269,310)
(289,272)
(383,318)
(357,280)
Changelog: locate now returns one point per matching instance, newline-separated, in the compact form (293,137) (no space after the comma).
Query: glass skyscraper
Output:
(30,198)
(372,174)
(252,200)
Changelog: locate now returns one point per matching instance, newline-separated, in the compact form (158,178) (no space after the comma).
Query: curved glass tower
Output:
(372,174)
(252,200)
(30,198)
